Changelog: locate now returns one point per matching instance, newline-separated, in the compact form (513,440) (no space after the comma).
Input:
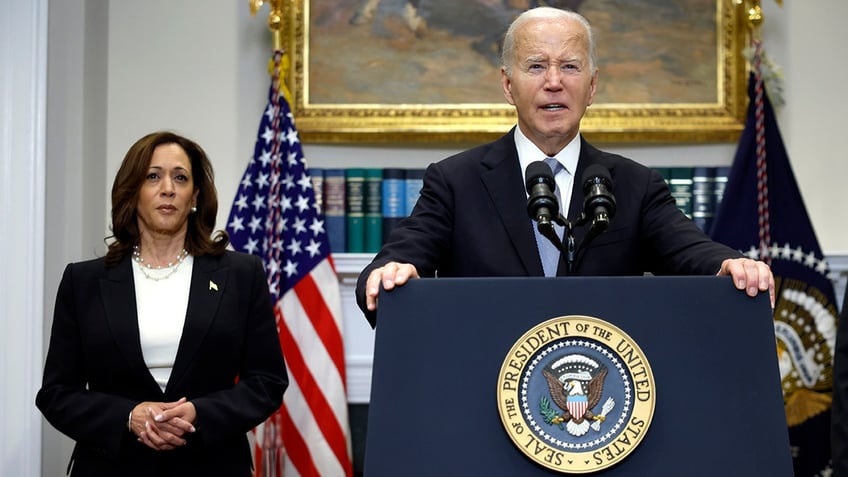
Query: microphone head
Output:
(599,203)
(539,172)
(596,174)
(542,205)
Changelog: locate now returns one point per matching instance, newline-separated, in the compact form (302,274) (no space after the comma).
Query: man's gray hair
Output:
(544,13)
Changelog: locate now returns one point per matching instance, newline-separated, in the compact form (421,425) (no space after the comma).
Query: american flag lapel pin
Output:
(213,285)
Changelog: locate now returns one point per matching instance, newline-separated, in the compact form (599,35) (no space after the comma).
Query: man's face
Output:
(552,81)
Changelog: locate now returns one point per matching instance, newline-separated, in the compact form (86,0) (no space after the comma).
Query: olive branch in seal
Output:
(551,416)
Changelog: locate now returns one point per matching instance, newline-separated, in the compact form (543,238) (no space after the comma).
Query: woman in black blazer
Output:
(164,353)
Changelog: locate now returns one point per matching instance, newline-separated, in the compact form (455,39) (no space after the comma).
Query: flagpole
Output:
(802,284)
(275,19)
(755,17)
(275,24)
(310,433)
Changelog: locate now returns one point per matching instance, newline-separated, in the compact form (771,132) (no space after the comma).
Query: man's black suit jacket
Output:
(471,220)
(95,372)
(839,416)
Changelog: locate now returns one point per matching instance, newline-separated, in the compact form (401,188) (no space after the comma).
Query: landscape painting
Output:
(371,70)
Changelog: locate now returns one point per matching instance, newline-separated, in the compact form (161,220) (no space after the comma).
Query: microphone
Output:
(542,205)
(599,203)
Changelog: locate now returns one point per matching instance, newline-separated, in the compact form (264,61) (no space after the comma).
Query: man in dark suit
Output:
(471,218)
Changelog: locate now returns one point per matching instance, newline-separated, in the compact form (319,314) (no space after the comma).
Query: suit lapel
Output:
(117,290)
(208,282)
(503,180)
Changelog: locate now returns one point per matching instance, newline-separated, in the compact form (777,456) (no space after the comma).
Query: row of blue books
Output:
(361,205)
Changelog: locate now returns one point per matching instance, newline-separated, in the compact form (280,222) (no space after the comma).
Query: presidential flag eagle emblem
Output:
(576,384)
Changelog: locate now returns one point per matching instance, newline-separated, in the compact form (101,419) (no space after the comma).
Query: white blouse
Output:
(161,309)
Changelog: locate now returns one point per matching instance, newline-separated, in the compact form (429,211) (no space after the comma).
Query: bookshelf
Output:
(362,204)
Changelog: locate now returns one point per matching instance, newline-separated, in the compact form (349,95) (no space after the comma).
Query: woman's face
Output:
(167,193)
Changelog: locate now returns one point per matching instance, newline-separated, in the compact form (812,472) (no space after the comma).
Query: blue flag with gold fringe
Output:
(762,214)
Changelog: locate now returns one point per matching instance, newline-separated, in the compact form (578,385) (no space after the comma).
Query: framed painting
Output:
(429,70)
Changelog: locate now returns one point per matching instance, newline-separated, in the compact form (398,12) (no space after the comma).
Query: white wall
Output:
(75,175)
(812,123)
(121,68)
(23,63)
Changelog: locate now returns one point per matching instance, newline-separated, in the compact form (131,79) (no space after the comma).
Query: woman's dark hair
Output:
(199,239)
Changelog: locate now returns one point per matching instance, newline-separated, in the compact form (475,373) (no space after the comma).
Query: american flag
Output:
(275,216)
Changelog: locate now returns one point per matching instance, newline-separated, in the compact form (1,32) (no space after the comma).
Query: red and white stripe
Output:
(313,419)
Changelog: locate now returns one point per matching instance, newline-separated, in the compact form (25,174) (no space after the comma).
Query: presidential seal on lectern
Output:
(576,394)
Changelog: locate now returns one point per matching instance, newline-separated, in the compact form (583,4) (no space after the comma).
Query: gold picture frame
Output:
(332,54)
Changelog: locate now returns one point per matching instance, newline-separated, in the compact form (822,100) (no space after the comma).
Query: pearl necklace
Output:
(150,272)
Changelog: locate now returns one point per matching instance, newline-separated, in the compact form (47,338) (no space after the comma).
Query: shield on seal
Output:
(577,405)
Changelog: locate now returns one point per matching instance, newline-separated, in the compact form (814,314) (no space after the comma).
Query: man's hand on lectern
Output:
(391,275)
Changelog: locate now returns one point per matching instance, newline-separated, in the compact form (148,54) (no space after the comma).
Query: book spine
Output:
(316,174)
(394,199)
(681,188)
(373,210)
(355,210)
(414,179)
(334,203)
(719,184)
(703,197)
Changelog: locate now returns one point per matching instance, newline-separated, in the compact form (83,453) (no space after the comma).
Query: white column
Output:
(23,61)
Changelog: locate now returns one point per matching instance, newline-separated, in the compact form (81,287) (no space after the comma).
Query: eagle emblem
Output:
(576,385)
(566,395)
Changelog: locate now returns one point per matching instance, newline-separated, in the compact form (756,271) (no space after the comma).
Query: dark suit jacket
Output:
(95,372)
(839,416)
(471,221)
